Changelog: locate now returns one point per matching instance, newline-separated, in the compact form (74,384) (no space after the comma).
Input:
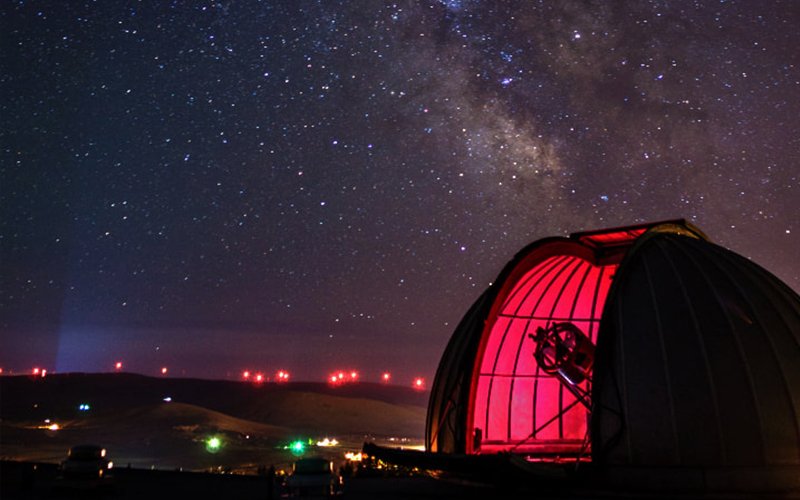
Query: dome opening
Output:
(517,374)
(517,405)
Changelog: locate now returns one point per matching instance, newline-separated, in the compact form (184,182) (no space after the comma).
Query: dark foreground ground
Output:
(20,480)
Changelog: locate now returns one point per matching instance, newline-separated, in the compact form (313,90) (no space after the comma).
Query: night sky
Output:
(315,185)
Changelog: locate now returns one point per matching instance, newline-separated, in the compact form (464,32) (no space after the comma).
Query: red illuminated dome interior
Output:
(514,405)
(497,388)
(516,402)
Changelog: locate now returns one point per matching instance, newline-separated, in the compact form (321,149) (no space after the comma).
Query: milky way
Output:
(312,185)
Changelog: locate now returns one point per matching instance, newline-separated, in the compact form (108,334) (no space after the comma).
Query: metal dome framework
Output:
(505,397)
(514,405)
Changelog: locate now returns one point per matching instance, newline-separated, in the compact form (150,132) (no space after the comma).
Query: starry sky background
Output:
(314,185)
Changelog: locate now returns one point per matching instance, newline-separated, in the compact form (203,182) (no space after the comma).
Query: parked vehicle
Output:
(86,466)
(313,476)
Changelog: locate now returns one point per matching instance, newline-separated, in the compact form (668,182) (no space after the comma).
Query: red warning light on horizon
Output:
(419,384)
(36,371)
(283,376)
(164,370)
(386,377)
(118,366)
(246,375)
(259,377)
(339,378)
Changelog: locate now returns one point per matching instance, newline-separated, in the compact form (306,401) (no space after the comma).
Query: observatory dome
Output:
(648,351)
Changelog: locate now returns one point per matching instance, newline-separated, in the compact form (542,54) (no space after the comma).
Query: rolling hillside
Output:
(129,415)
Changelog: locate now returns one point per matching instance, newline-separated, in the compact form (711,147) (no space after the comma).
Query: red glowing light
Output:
(419,383)
(339,378)
(283,376)
(259,377)
(44,372)
(164,370)
(36,371)
(119,365)
(246,374)
(386,377)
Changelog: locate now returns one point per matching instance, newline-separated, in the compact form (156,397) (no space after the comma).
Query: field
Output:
(167,424)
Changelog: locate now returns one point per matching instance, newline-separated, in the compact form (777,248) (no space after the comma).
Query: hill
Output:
(166,422)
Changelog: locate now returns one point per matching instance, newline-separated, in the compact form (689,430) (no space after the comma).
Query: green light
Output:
(298,448)
(213,444)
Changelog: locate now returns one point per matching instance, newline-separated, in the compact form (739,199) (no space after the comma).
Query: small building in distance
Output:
(647,354)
